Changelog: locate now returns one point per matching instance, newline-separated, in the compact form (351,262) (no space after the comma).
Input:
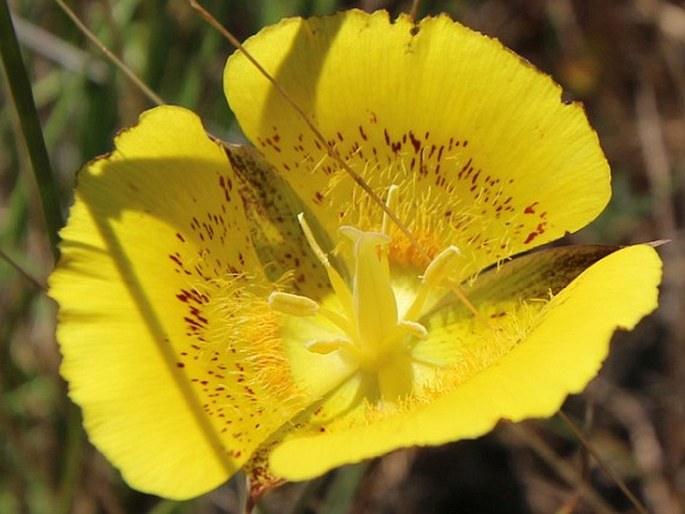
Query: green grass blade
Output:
(22,96)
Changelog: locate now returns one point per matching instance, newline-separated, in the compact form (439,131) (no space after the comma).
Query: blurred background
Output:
(625,60)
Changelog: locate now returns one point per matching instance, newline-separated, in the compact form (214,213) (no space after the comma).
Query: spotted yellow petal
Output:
(271,208)
(562,350)
(483,151)
(169,346)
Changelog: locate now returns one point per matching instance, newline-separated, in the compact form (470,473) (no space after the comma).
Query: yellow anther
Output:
(436,274)
(441,266)
(326,347)
(414,328)
(293,304)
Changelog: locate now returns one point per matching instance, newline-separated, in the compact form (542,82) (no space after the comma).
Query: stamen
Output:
(326,347)
(391,204)
(339,286)
(292,304)
(441,266)
(436,273)
(414,328)
(311,240)
(302,306)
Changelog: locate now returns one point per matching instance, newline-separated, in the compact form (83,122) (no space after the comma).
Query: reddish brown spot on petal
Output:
(415,142)
(530,237)
(531,208)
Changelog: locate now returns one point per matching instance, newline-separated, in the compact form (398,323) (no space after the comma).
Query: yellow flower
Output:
(224,309)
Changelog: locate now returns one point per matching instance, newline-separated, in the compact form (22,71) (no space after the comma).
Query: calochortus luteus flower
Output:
(226,308)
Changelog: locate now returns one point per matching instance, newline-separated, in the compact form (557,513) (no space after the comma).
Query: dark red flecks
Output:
(176,258)
(531,208)
(414,142)
(530,237)
(193,323)
(196,314)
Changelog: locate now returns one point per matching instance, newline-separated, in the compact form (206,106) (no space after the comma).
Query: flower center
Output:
(373,333)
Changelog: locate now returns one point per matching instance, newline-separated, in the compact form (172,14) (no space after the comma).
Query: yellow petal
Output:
(484,152)
(511,300)
(169,346)
(558,357)
(272,207)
